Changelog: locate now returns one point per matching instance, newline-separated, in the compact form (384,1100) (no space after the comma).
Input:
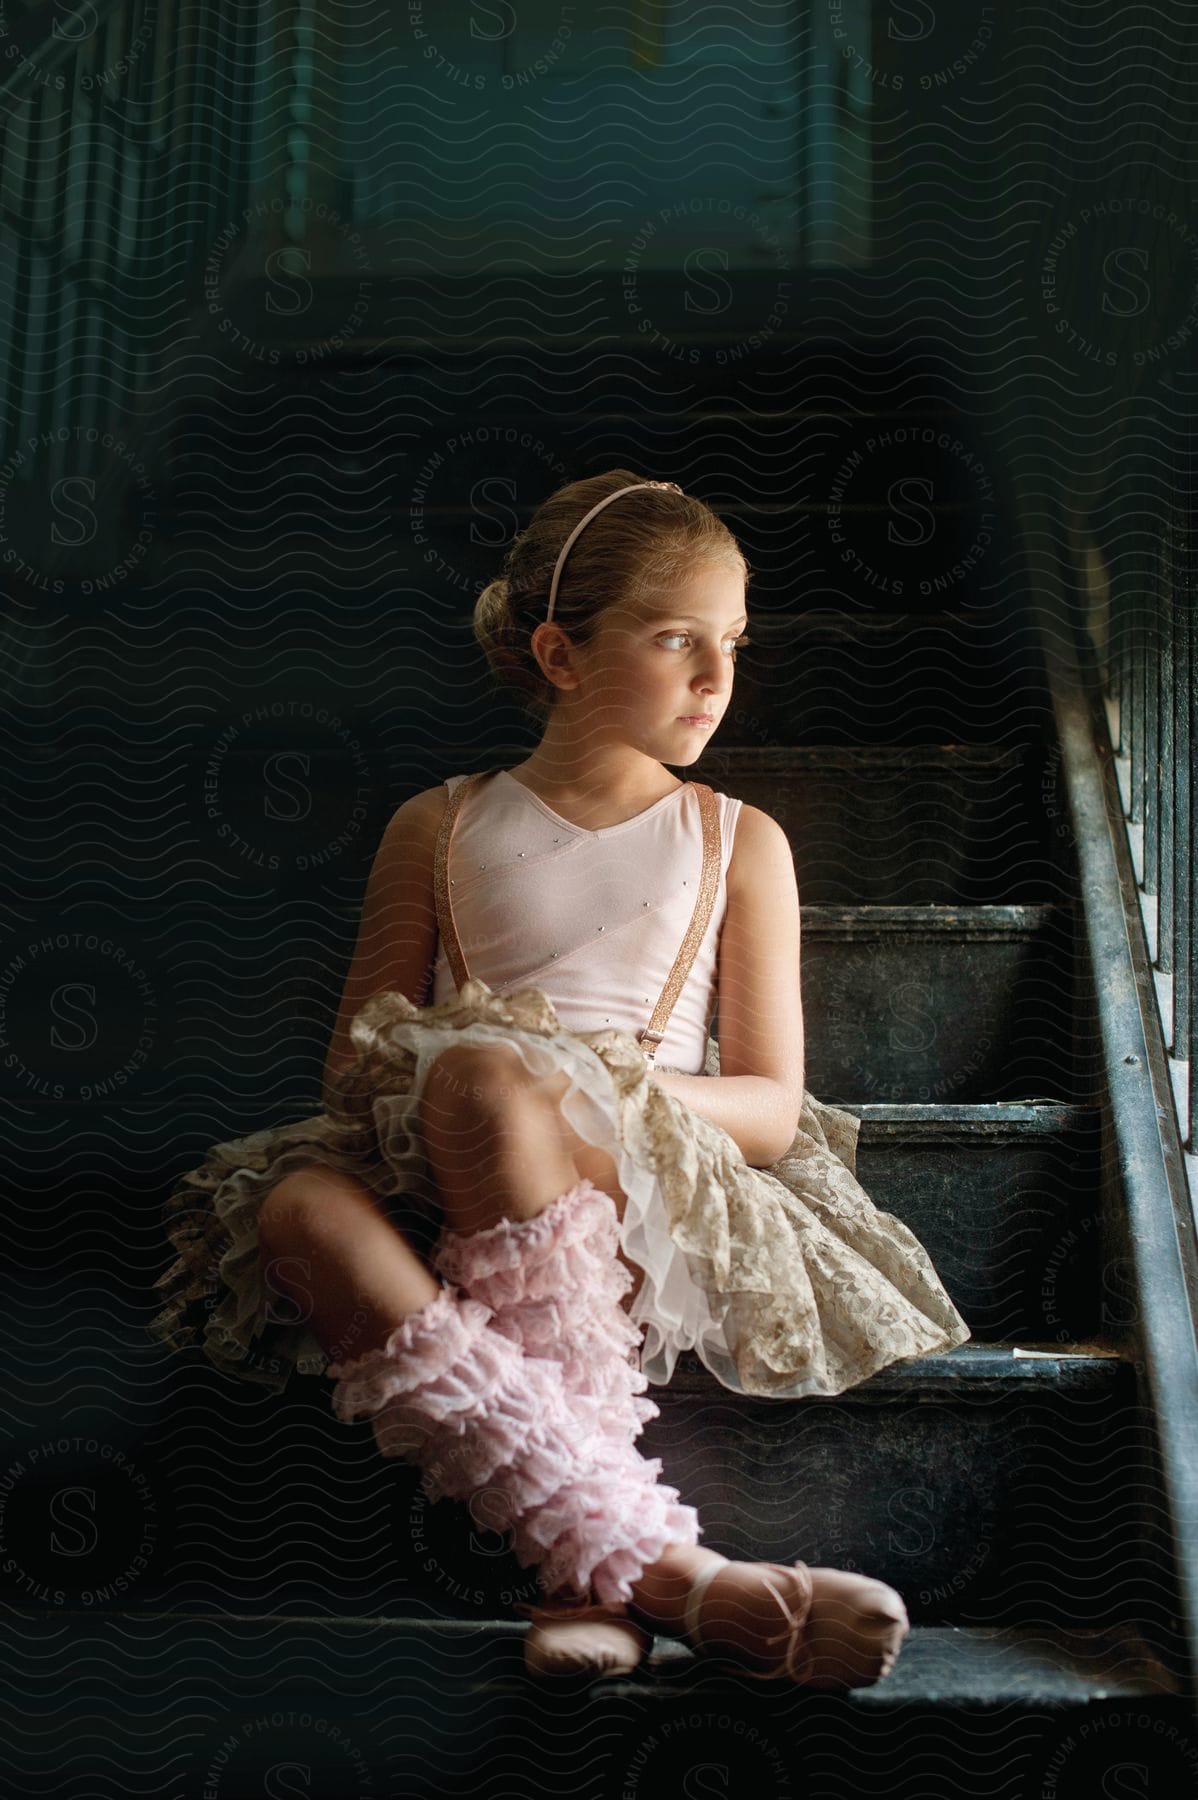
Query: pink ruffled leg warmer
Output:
(462,1401)
(555,1285)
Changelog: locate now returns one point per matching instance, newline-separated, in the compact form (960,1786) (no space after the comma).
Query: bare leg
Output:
(327,1244)
(492,1135)
(499,1147)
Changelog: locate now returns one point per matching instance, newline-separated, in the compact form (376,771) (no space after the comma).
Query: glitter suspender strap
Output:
(709,881)
(445,919)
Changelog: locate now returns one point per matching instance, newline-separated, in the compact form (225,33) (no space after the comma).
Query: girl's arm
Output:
(747,1107)
(397,936)
(758,1095)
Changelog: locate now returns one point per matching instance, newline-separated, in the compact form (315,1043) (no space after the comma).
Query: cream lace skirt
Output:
(784,1281)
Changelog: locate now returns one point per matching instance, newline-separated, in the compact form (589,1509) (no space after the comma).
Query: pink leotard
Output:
(613,904)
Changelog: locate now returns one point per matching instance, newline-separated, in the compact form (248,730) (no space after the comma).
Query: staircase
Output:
(303,1616)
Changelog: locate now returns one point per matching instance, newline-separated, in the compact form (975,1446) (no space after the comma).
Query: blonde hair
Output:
(642,544)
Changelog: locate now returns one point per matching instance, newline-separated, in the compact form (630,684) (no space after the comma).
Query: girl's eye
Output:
(737,643)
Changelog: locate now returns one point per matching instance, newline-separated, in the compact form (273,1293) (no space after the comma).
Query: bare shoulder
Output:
(417,820)
(758,843)
(406,856)
(426,808)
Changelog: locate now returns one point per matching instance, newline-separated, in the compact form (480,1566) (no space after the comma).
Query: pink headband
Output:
(586,519)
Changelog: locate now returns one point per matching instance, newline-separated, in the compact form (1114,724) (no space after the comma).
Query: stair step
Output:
(903,1003)
(1067,1365)
(324,432)
(351,453)
(938,1002)
(1006,1199)
(986,1486)
(821,677)
(836,553)
(947,823)
(828,676)
(990,1488)
(348,439)
(957,824)
(565,337)
(953,1664)
(230,1702)
(1003,1197)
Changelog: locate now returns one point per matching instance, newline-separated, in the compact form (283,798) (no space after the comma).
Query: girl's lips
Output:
(697,719)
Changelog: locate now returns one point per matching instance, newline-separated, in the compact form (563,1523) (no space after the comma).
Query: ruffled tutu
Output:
(784,1281)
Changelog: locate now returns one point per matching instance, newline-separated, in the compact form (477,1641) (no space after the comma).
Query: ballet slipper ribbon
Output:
(797,1652)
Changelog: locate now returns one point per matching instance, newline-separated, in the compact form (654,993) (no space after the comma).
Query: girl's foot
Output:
(587,1639)
(822,1628)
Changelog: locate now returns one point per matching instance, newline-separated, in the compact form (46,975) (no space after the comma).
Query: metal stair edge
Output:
(949,1665)
(1143,1122)
(975,1367)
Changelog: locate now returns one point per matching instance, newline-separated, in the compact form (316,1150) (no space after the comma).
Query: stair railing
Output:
(1145,1143)
(1146,658)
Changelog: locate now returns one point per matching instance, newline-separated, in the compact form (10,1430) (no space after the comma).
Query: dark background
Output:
(303,310)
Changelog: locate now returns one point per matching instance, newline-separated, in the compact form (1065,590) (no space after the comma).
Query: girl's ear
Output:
(555,654)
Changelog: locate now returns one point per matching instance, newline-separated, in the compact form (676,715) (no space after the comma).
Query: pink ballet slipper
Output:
(587,1639)
(834,1630)
(555,1285)
(464,1403)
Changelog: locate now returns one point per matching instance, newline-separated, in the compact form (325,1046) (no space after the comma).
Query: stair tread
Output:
(791,759)
(1041,1111)
(961,1663)
(1045,1364)
(395,347)
(947,1664)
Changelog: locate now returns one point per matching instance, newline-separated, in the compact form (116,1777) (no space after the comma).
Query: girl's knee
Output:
(283,1211)
(303,1202)
(472,1079)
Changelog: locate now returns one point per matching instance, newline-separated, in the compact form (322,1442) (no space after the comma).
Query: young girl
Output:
(603,1187)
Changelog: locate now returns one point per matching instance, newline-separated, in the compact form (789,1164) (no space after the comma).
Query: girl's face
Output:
(650,667)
